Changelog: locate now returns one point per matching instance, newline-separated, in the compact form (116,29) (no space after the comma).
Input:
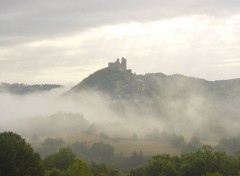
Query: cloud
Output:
(192,46)
(64,41)
(50,114)
(27,20)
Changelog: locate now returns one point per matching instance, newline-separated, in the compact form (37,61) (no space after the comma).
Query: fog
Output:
(52,114)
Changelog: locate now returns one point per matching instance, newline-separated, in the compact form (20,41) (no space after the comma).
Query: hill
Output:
(116,83)
(23,89)
(209,109)
(119,84)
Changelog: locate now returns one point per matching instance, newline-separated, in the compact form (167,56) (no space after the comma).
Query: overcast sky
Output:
(63,41)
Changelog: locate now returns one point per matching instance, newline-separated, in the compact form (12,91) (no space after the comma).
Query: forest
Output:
(18,158)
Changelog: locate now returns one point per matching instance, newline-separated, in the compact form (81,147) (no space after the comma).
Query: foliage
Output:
(103,170)
(230,145)
(192,146)
(54,172)
(80,148)
(60,160)
(78,168)
(49,146)
(213,174)
(17,157)
(109,81)
(99,151)
(205,160)
(135,160)
(23,89)
(162,165)
(141,171)
(102,151)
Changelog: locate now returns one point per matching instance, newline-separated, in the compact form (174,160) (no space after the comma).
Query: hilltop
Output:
(176,99)
(23,89)
(113,82)
(119,82)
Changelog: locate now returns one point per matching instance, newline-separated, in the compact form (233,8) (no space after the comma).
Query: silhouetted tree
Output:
(60,160)
(49,146)
(102,151)
(17,158)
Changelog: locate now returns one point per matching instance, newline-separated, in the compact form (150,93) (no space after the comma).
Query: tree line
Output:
(18,158)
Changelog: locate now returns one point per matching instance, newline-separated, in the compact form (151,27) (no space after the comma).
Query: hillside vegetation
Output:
(120,84)
(23,89)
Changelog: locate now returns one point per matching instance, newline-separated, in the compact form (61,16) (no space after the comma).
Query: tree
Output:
(205,160)
(60,160)
(80,148)
(54,172)
(101,151)
(136,159)
(192,146)
(79,168)
(17,158)
(162,165)
(213,174)
(103,170)
(230,145)
(141,171)
(49,146)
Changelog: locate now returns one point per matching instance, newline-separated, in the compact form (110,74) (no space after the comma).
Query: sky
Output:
(63,41)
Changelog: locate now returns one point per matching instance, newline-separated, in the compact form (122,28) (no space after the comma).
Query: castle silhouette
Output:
(120,66)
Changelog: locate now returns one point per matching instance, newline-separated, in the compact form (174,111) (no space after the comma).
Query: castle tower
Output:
(124,64)
(117,65)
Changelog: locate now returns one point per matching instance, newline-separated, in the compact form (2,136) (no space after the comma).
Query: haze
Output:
(63,42)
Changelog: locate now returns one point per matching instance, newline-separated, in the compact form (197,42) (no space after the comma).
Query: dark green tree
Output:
(230,145)
(103,170)
(50,146)
(213,174)
(205,160)
(17,158)
(54,172)
(141,171)
(78,168)
(136,159)
(162,165)
(192,146)
(60,160)
(101,151)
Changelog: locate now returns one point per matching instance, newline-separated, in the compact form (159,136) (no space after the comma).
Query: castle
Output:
(133,82)
(120,66)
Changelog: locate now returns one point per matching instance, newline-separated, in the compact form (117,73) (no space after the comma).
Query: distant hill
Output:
(116,83)
(209,108)
(124,84)
(23,89)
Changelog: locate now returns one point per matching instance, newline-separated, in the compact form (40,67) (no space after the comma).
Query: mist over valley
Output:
(69,106)
(122,108)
